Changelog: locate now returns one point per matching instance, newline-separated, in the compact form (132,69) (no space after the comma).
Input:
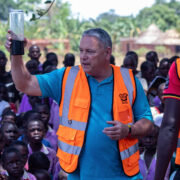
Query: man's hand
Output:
(9,39)
(118,131)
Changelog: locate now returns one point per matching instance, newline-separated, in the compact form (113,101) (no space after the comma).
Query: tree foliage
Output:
(59,23)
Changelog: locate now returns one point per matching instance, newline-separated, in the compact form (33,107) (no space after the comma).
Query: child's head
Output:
(8,115)
(69,60)
(164,66)
(22,148)
(12,162)
(149,142)
(10,132)
(33,100)
(129,62)
(134,55)
(35,131)
(148,70)
(44,111)
(42,174)
(32,67)
(52,57)
(48,66)
(152,56)
(38,160)
(34,52)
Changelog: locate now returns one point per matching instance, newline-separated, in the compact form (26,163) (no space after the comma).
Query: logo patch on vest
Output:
(123,98)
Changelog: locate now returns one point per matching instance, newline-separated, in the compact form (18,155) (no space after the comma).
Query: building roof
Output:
(154,36)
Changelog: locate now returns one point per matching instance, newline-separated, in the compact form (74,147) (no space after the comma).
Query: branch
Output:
(42,12)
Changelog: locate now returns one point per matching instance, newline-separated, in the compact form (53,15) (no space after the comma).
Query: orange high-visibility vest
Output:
(177,160)
(74,112)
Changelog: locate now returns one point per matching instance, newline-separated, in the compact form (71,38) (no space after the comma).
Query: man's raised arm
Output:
(24,81)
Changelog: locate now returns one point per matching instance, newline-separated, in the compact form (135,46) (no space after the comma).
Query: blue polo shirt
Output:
(99,159)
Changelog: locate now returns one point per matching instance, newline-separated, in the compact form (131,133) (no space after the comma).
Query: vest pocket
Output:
(67,134)
(66,137)
(124,116)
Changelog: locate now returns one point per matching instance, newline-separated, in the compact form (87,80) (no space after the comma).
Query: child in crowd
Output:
(69,60)
(32,67)
(163,68)
(34,54)
(50,135)
(35,132)
(10,132)
(147,162)
(158,111)
(52,57)
(130,63)
(13,164)
(23,149)
(30,115)
(8,115)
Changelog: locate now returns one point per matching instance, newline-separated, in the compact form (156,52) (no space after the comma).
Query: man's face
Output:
(93,55)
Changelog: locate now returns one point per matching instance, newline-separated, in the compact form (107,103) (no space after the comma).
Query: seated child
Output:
(35,131)
(147,162)
(10,132)
(50,135)
(13,164)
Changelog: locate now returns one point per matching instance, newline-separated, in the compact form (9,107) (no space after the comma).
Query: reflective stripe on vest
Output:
(127,81)
(129,152)
(71,131)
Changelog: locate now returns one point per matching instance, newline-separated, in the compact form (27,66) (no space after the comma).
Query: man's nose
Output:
(83,55)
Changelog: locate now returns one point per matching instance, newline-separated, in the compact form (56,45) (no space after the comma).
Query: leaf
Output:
(33,18)
(40,12)
(48,2)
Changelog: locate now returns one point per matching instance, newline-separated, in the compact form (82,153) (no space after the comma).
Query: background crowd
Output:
(29,123)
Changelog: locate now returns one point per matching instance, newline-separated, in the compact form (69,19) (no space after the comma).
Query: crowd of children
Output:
(28,124)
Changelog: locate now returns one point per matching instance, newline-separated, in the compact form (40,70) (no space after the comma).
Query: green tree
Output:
(162,15)
(7,5)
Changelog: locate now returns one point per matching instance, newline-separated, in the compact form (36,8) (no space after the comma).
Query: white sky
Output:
(92,8)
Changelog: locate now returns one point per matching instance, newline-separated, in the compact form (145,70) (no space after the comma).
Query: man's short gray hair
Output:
(100,34)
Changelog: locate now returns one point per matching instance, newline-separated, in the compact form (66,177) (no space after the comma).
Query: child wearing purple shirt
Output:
(50,135)
(35,133)
(147,161)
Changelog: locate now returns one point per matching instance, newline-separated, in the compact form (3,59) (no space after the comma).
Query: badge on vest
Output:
(123,98)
